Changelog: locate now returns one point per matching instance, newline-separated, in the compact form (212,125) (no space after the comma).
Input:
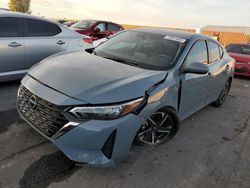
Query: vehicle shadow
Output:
(8,83)
(9,117)
(48,169)
(242,77)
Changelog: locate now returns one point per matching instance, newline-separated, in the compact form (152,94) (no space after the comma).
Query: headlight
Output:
(106,112)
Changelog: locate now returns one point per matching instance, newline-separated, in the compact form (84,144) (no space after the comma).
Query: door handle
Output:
(60,42)
(14,44)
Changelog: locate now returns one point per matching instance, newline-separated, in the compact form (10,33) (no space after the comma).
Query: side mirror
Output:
(196,68)
(97,30)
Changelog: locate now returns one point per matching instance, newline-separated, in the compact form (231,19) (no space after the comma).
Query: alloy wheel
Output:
(158,129)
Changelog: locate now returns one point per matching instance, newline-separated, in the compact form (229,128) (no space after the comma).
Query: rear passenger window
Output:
(113,27)
(41,28)
(198,53)
(214,52)
(9,27)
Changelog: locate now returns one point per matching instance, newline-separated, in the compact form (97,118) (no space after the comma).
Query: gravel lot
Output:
(211,149)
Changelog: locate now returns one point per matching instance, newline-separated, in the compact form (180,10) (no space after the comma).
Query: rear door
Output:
(194,87)
(42,39)
(11,47)
(217,70)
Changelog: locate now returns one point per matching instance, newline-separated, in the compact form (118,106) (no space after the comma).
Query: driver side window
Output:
(198,53)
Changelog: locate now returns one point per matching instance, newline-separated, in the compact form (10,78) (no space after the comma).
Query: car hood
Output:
(94,79)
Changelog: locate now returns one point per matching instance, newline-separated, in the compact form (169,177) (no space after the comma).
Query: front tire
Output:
(159,128)
(223,95)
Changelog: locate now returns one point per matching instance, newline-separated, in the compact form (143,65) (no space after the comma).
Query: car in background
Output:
(241,53)
(61,21)
(69,23)
(26,40)
(135,87)
(100,41)
(96,29)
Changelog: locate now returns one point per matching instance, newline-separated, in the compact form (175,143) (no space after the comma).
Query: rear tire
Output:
(223,95)
(159,128)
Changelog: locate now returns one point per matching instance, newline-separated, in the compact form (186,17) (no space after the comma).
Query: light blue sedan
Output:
(134,88)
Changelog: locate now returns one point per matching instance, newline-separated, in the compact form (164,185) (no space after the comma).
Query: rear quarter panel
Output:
(75,40)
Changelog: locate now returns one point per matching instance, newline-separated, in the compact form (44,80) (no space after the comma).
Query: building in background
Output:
(228,34)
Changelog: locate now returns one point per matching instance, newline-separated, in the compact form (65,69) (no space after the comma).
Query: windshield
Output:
(238,48)
(146,50)
(83,24)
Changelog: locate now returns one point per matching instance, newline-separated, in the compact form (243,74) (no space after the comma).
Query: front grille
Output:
(42,115)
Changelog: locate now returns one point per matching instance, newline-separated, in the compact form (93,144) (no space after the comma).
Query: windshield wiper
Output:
(125,61)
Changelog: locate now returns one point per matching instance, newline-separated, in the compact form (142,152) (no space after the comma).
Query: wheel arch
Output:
(230,79)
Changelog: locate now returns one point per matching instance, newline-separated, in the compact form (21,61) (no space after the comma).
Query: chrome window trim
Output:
(10,73)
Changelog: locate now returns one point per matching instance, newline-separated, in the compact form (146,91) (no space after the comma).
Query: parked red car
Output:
(241,53)
(96,29)
(69,23)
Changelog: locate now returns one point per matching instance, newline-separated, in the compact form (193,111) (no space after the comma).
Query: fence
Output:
(139,26)
(227,38)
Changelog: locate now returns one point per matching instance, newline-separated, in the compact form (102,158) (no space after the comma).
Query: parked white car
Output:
(98,42)
(26,40)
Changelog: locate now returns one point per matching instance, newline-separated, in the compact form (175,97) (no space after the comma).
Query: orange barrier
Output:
(227,38)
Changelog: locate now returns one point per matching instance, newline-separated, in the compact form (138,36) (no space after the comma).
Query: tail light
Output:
(88,40)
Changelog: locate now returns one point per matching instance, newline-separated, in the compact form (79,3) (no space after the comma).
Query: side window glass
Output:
(113,27)
(55,29)
(198,53)
(9,27)
(40,28)
(214,52)
(102,27)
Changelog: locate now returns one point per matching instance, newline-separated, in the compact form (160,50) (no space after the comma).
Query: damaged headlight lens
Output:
(106,112)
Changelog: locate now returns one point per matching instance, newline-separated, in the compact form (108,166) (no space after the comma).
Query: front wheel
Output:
(160,127)
(223,95)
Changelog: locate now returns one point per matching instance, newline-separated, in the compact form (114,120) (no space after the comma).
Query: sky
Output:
(165,13)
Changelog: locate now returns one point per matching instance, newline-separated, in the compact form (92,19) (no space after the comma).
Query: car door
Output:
(11,47)
(103,31)
(42,39)
(217,71)
(194,88)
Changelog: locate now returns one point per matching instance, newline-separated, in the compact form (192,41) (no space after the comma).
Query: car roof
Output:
(23,15)
(93,20)
(171,32)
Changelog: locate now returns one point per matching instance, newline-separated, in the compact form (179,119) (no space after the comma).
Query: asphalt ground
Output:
(211,149)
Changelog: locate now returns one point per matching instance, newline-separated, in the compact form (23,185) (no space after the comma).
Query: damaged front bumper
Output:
(93,142)
(100,143)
